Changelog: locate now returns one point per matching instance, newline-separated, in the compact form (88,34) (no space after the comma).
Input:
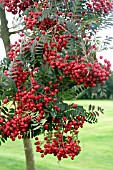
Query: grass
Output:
(96,143)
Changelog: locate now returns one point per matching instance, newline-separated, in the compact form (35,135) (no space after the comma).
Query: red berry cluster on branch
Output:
(16,127)
(89,73)
(58,147)
(60,144)
(99,6)
(18,74)
(32,20)
(16,6)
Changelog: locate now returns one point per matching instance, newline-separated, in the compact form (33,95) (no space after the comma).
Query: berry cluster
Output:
(32,100)
(89,73)
(33,20)
(16,127)
(16,6)
(15,49)
(99,6)
(59,143)
(73,125)
(52,51)
(59,147)
(18,74)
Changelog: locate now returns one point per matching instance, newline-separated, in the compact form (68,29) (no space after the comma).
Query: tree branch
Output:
(4,30)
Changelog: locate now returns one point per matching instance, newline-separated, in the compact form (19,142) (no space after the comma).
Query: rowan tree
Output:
(56,51)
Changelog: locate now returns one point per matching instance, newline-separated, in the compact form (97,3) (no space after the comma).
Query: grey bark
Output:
(30,160)
(4,31)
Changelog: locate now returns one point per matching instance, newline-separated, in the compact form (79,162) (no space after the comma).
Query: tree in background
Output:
(109,85)
(56,51)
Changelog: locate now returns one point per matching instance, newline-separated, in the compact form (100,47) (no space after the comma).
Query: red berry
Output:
(101,57)
(5,101)
(42,155)
(74,105)
(46,126)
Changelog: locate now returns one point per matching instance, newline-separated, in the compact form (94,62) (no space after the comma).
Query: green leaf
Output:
(37,132)
(3,140)
(43,121)
(5,108)
(89,107)
(53,114)
(63,106)
(8,87)
(80,111)
(36,128)
(12,110)
(4,111)
(93,107)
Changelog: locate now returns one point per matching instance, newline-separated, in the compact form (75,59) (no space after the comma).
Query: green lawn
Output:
(96,143)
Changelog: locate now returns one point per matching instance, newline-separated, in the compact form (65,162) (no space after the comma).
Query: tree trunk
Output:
(4,30)
(30,160)
(5,35)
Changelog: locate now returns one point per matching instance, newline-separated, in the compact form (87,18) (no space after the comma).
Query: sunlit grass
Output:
(96,142)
